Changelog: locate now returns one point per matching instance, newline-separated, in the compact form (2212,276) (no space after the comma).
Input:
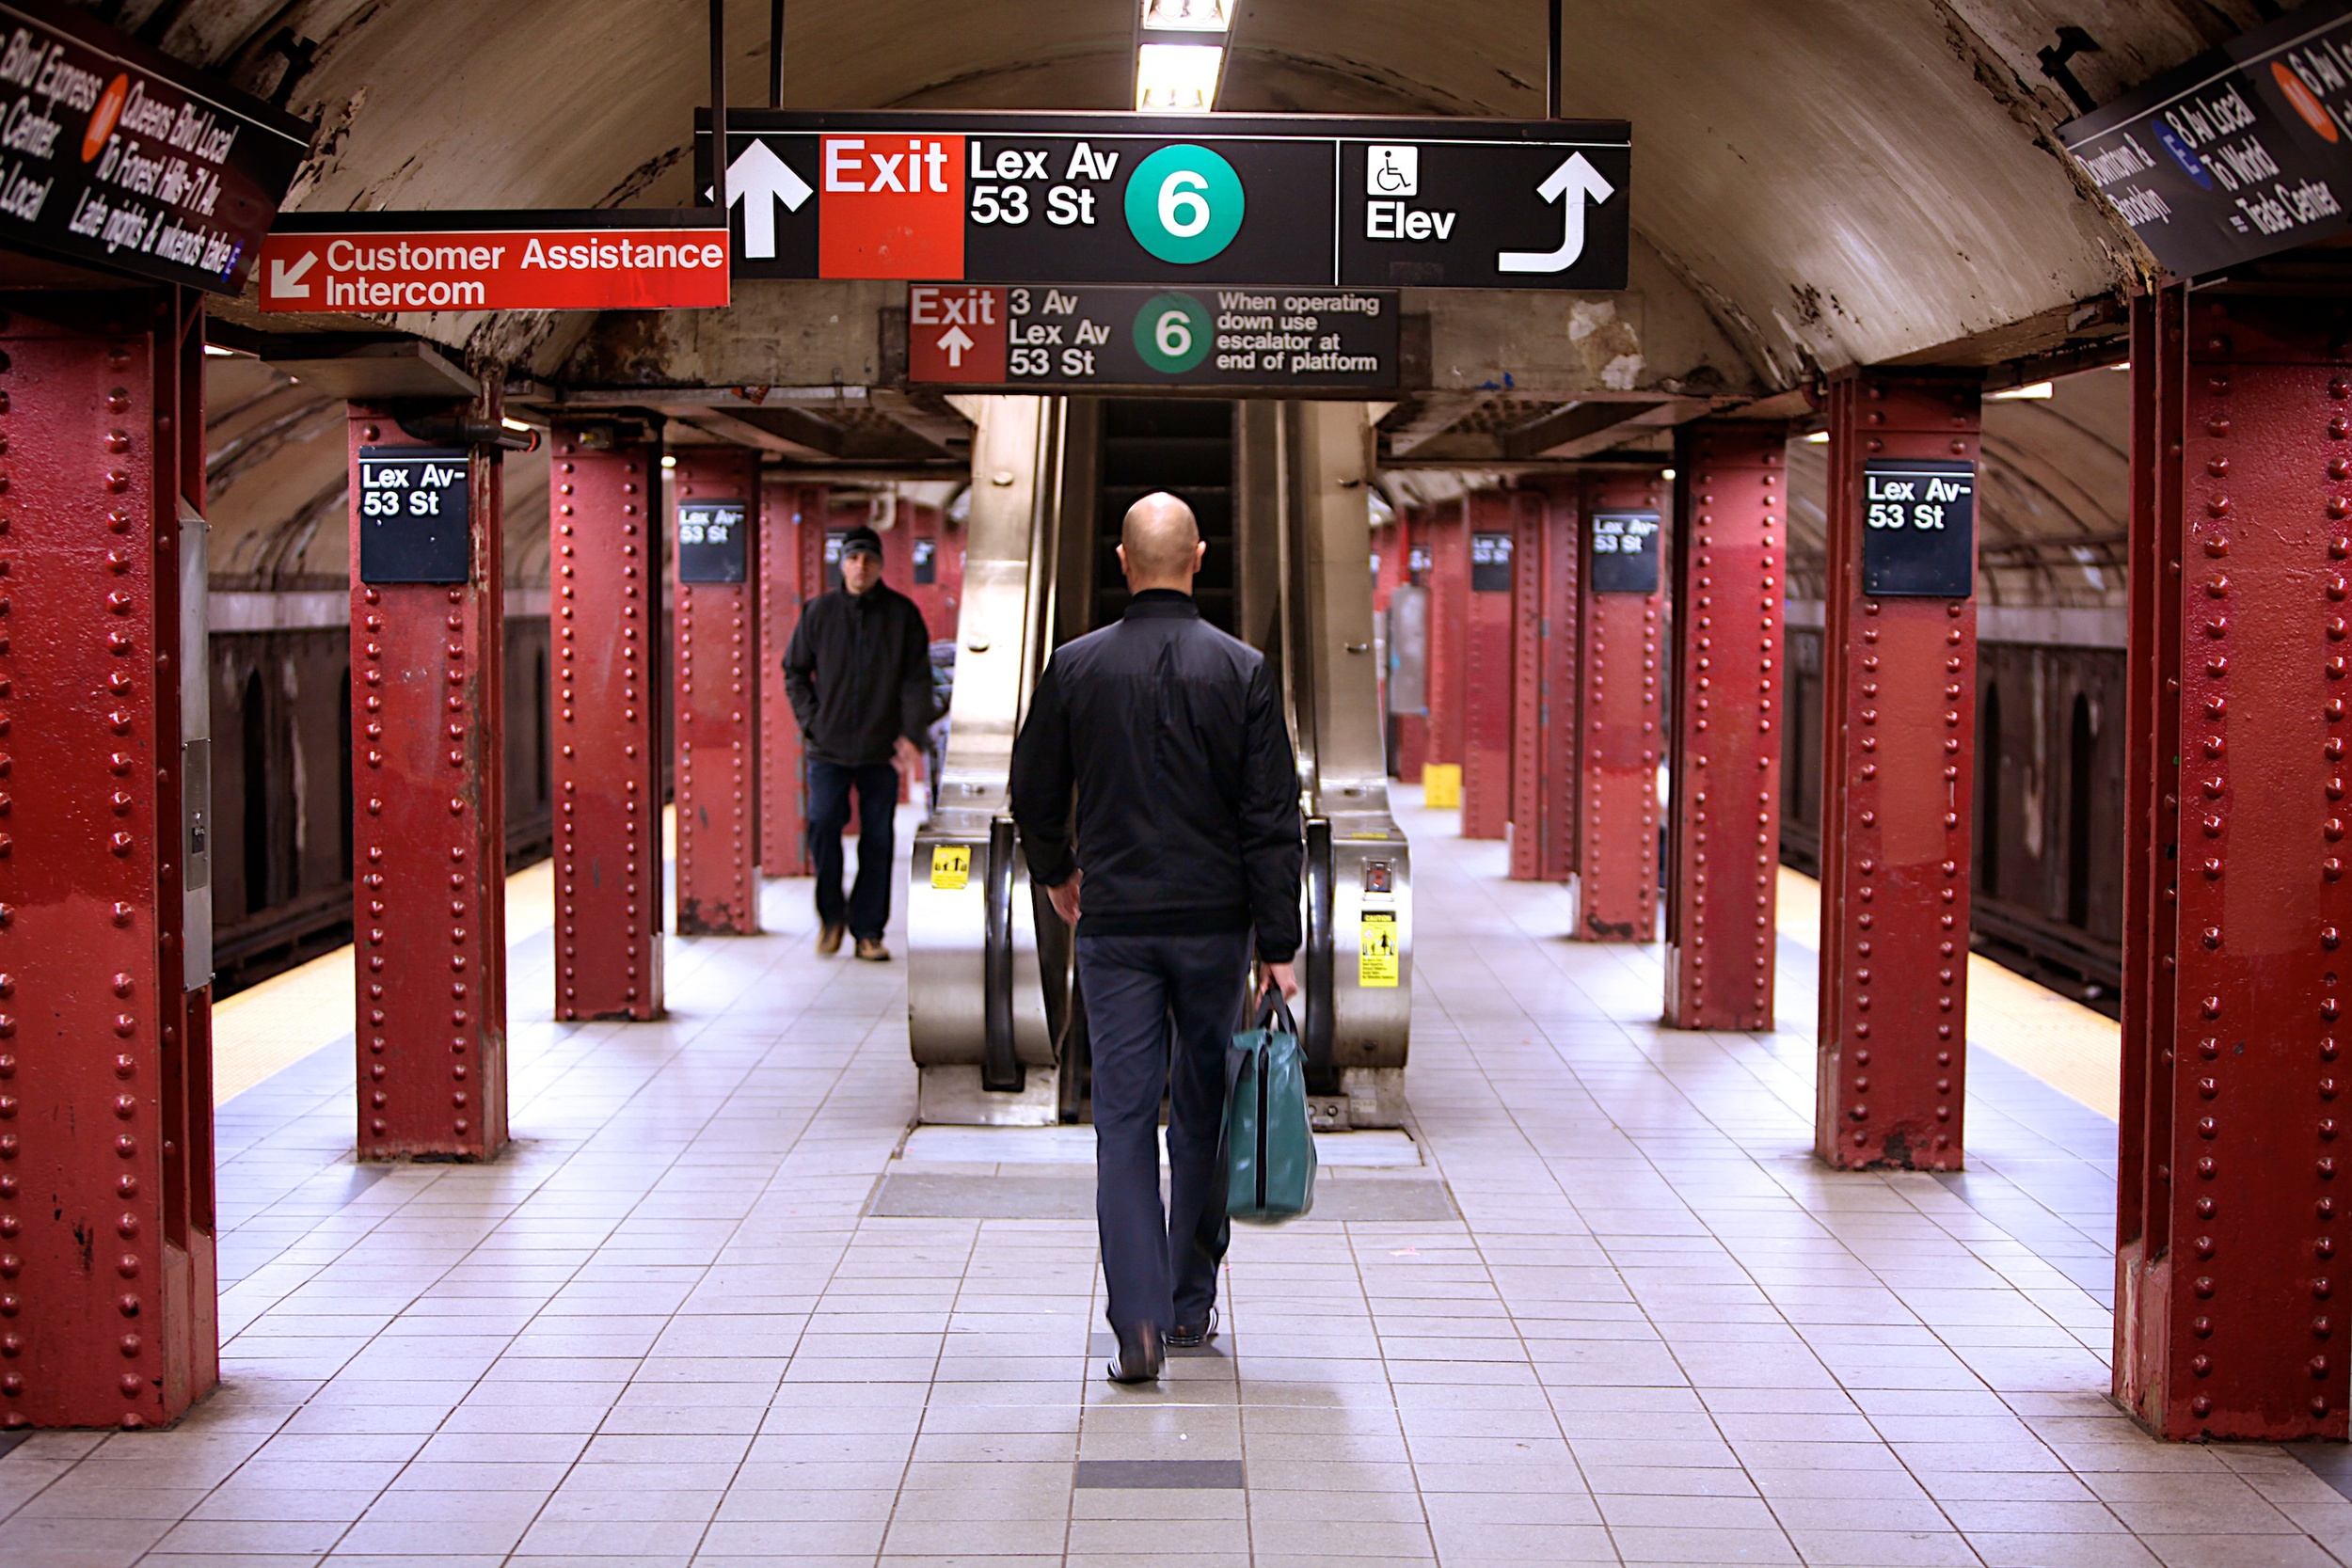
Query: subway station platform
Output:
(714,1304)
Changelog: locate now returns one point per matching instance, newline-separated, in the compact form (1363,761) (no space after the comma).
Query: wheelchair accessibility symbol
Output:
(1391,170)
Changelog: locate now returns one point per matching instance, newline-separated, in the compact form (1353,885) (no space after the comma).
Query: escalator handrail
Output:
(1000,1062)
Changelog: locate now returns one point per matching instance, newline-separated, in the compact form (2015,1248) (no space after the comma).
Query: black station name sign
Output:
(1919,528)
(1267,202)
(1490,564)
(1625,553)
(2245,151)
(414,509)
(119,157)
(710,542)
(1079,337)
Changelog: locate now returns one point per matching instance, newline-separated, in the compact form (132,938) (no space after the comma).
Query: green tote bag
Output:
(1269,1149)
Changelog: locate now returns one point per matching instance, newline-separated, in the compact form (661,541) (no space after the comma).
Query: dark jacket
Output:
(859,673)
(1169,735)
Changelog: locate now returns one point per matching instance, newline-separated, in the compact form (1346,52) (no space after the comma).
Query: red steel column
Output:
(1563,611)
(1445,529)
(1898,702)
(1613,893)
(608,725)
(791,571)
(1488,702)
(2226,1319)
(717,769)
(429,793)
(1722,835)
(1531,784)
(107,1276)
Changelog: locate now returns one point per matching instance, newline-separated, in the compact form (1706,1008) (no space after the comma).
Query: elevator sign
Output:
(379,263)
(1278,201)
(1918,534)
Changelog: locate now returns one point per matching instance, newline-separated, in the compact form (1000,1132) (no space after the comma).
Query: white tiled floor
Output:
(659,1330)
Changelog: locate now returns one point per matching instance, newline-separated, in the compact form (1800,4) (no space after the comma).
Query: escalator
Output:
(1280,489)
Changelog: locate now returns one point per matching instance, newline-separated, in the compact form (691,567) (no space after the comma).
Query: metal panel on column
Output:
(1723,835)
(428,788)
(2232,1186)
(1488,659)
(1613,893)
(791,572)
(610,686)
(714,510)
(107,1274)
(1899,683)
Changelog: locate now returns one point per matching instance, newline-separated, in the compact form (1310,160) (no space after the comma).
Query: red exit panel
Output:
(892,206)
(955,333)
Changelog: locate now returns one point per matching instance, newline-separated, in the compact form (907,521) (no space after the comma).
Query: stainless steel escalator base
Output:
(950,1094)
(1371,1098)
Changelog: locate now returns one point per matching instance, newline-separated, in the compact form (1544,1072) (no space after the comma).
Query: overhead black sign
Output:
(1277,201)
(1490,564)
(1083,336)
(414,508)
(118,156)
(1625,553)
(1918,534)
(2244,152)
(711,541)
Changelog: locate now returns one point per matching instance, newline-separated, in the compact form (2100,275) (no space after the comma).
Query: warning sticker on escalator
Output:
(1375,948)
(952,866)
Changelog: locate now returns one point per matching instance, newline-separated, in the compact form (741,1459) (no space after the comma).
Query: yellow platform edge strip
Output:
(2076,1051)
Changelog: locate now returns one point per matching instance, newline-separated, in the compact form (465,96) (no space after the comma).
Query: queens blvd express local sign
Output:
(1281,201)
(120,158)
(381,263)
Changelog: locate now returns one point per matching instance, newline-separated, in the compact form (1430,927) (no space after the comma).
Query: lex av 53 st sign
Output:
(1278,201)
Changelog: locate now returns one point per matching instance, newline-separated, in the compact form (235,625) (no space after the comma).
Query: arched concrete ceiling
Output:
(1842,179)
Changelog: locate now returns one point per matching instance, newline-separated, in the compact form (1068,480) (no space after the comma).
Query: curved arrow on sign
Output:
(1574,180)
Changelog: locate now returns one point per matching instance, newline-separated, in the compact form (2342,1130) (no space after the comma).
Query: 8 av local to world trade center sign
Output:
(1281,201)
(379,263)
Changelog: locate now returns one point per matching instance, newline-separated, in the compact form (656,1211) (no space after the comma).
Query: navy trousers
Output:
(1160,1017)
(867,909)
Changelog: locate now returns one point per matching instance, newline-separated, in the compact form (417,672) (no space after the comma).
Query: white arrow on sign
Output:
(758,179)
(1573,180)
(286,282)
(953,342)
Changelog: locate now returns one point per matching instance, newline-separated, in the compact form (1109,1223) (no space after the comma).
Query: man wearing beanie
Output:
(859,674)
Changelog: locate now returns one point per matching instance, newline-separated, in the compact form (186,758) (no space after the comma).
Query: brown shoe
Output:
(872,950)
(828,941)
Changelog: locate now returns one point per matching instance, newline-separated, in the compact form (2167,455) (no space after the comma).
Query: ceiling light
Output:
(669,460)
(1819,439)
(1665,473)
(1186,16)
(1177,78)
(2037,391)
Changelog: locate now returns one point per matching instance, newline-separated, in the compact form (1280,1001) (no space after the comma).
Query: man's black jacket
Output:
(1169,735)
(859,673)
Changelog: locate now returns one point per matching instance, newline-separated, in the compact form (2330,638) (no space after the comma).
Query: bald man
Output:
(1160,740)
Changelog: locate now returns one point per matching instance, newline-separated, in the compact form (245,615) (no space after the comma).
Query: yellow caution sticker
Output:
(952,866)
(1442,785)
(1376,962)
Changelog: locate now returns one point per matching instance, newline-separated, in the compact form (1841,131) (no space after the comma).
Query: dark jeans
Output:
(867,910)
(1160,1017)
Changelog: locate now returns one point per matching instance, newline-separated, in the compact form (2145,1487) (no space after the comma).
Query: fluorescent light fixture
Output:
(1819,439)
(1665,473)
(213,351)
(1177,78)
(513,424)
(1187,16)
(669,460)
(2035,392)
